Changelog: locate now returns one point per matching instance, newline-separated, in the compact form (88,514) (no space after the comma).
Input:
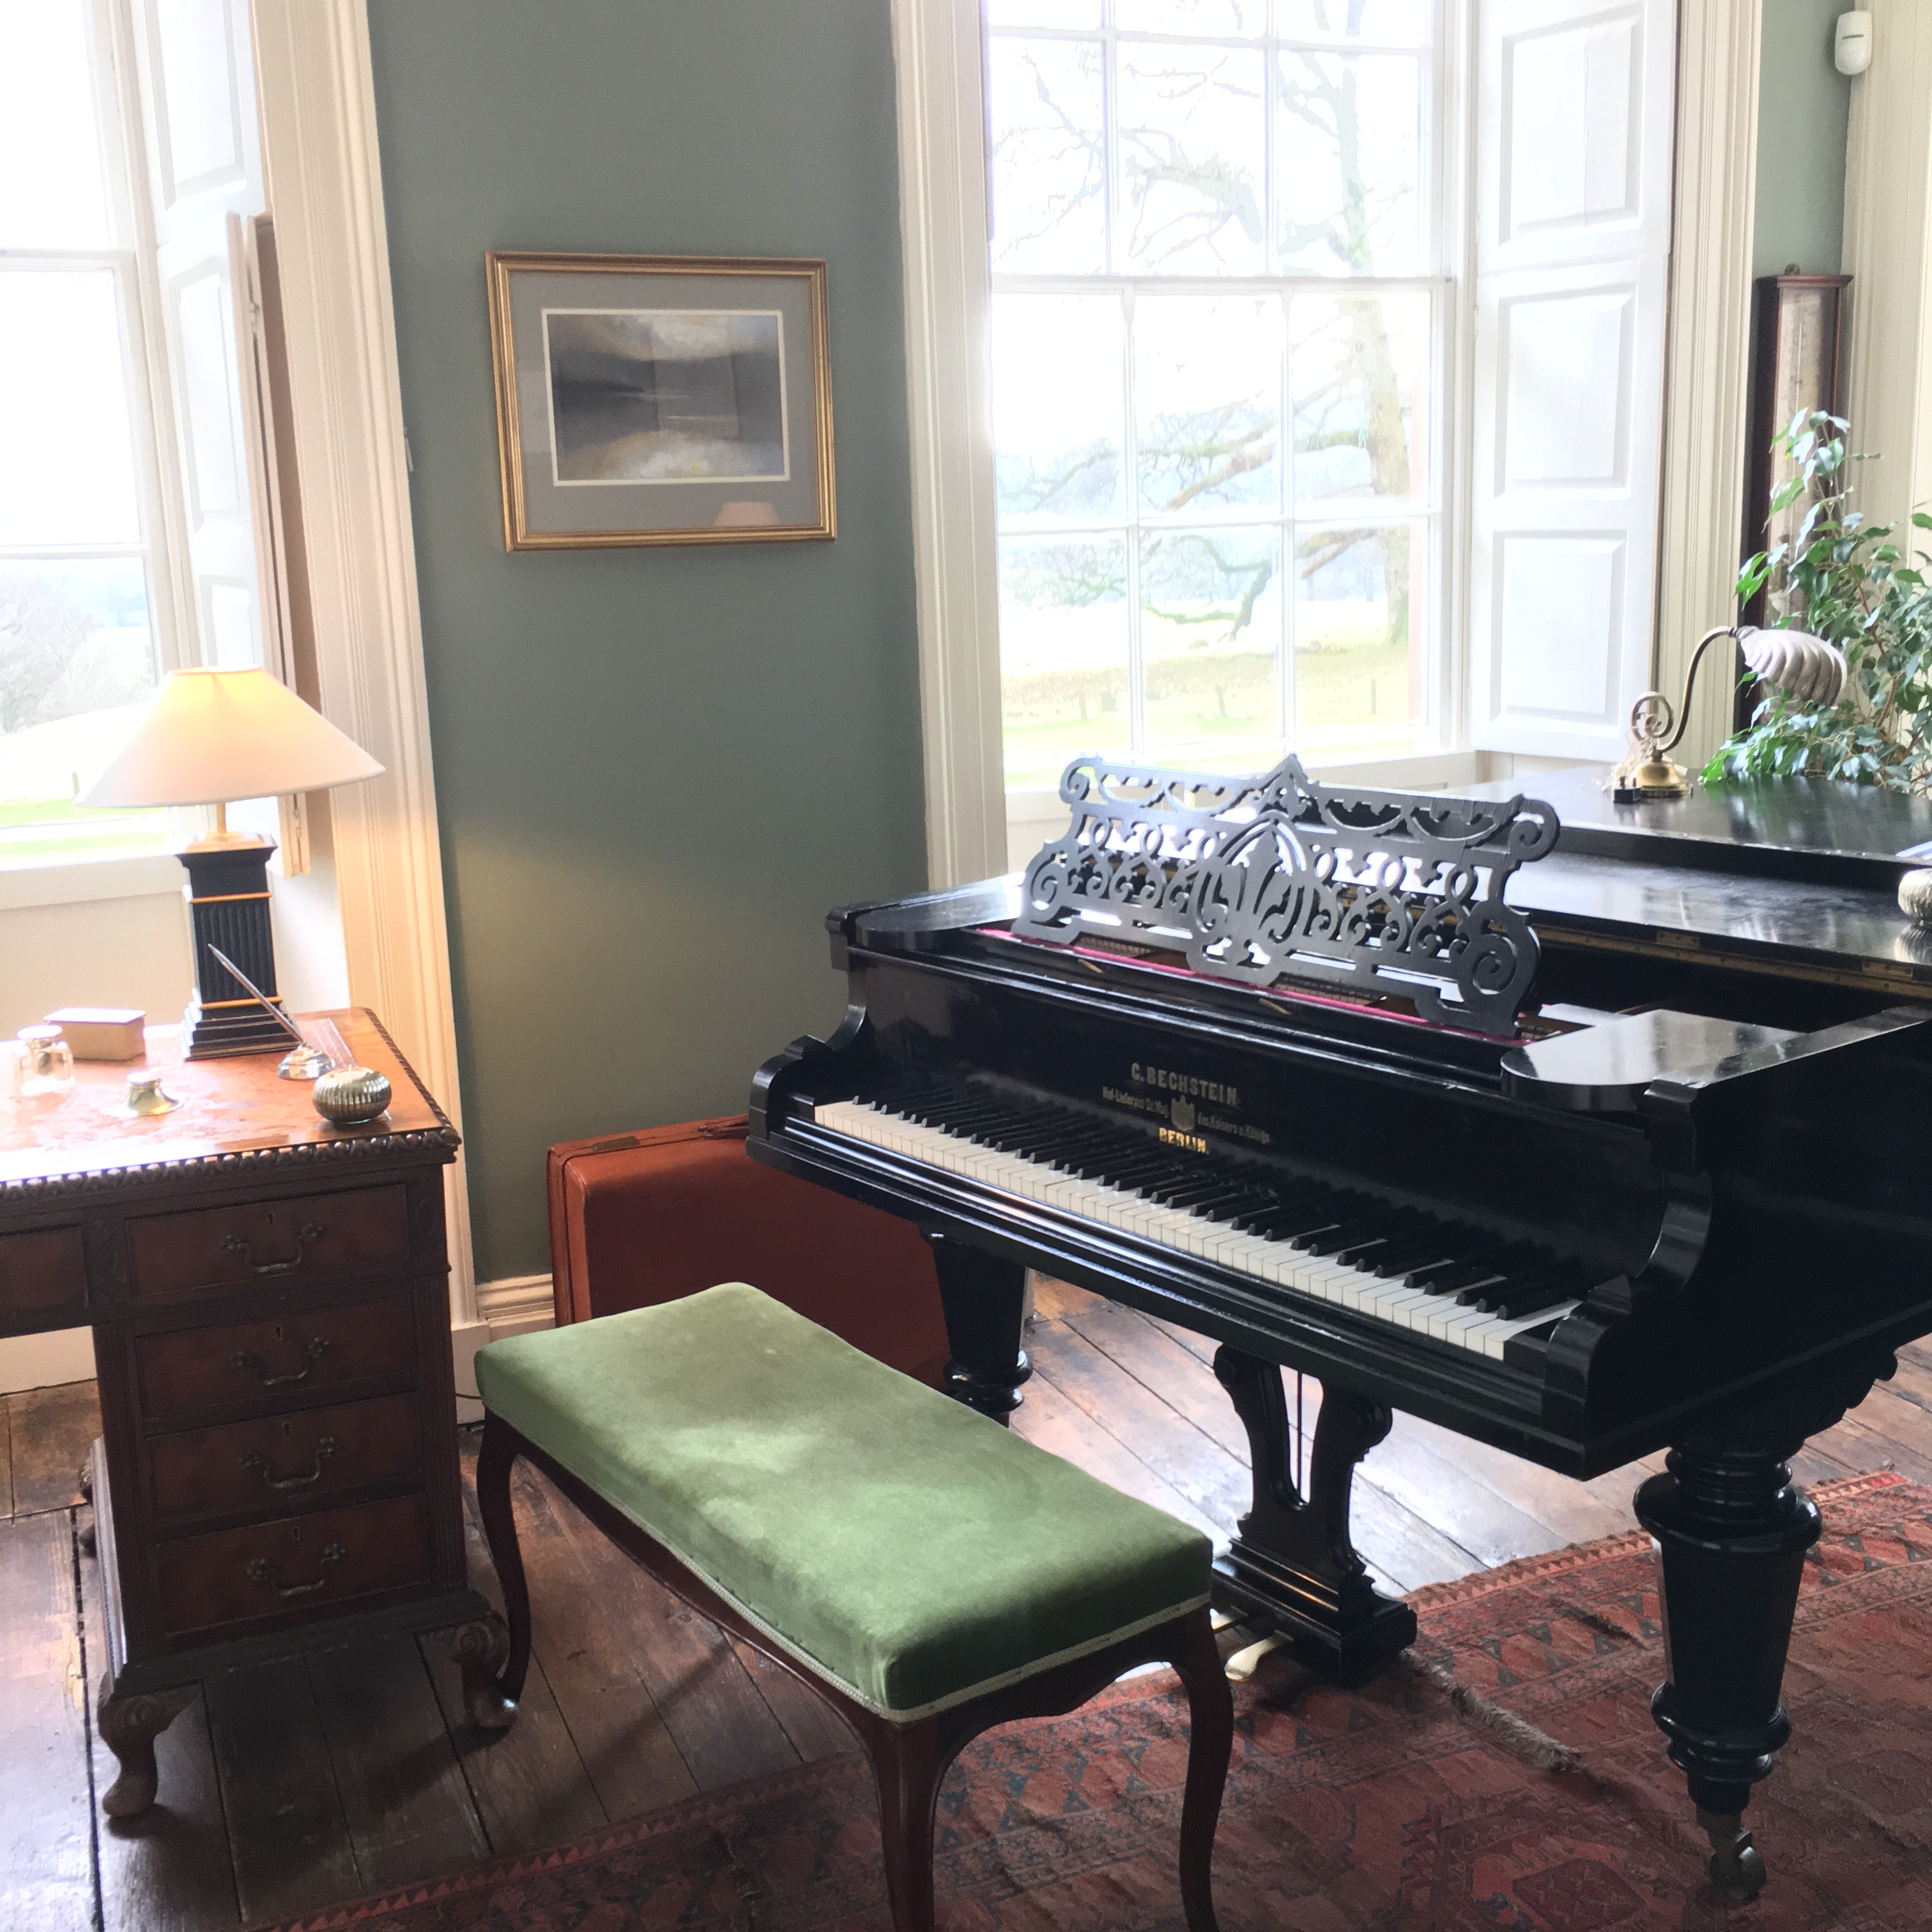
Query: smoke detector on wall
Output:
(1852,44)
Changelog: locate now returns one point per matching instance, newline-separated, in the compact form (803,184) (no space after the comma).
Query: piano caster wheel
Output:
(1737,1870)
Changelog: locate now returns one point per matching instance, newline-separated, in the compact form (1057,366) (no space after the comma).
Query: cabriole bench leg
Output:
(1211,1733)
(502,1445)
(909,1762)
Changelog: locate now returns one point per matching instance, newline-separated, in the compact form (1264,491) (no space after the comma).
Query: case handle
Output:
(244,1358)
(253,1459)
(310,1232)
(261,1571)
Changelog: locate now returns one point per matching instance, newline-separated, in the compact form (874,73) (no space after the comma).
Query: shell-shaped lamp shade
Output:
(209,737)
(1812,670)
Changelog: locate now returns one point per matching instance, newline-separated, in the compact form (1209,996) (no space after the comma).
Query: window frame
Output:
(163,513)
(944,226)
(1444,273)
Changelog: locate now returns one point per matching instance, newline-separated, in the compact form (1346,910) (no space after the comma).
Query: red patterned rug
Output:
(1409,1803)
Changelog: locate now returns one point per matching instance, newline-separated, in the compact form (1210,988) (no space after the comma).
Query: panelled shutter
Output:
(1576,105)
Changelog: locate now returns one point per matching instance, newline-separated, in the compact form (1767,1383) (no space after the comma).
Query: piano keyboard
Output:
(1401,1268)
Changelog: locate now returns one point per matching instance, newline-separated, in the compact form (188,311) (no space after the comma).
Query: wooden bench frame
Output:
(909,1760)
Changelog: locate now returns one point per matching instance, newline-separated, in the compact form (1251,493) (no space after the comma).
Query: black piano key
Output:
(1517,1301)
(1292,1223)
(1477,1293)
(1399,1257)
(1331,1241)
(1445,1277)
(1237,1207)
(1218,1205)
(1214,1195)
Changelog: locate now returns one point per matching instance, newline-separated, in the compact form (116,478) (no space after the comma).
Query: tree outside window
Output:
(1216,326)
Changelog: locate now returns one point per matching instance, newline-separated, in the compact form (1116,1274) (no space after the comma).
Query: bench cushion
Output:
(907,1549)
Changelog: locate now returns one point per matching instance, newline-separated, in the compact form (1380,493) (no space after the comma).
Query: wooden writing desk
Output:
(267,1292)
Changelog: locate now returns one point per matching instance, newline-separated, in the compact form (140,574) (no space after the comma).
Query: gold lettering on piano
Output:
(1189,1086)
(1189,1121)
(1173,1137)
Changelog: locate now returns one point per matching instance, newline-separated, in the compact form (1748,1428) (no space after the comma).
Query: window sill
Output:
(81,880)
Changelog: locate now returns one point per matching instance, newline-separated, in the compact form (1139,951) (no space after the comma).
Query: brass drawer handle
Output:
(261,1571)
(242,1358)
(253,1459)
(309,1232)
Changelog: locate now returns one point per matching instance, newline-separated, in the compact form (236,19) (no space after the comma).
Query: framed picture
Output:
(660,399)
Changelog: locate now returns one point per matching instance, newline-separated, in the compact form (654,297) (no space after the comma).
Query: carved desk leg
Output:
(1731,1530)
(481,1647)
(128,1725)
(984,1297)
(1291,1561)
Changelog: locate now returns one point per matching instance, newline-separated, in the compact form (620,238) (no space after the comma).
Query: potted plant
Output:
(1853,584)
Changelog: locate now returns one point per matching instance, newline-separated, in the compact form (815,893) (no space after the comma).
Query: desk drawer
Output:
(236,1362)
(266,1466)
(269,1240)
(318,1564)
(42,1276)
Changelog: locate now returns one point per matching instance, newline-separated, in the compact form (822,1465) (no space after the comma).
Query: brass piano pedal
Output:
(1242,1666)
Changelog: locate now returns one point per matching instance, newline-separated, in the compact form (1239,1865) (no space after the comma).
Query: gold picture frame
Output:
(661,399)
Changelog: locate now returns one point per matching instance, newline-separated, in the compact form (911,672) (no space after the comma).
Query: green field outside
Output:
(1212,711)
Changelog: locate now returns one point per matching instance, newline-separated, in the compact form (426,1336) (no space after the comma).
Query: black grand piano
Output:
(1583,1129)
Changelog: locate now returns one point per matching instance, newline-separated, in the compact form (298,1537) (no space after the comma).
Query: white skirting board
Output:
(45,1361)
(514,1306)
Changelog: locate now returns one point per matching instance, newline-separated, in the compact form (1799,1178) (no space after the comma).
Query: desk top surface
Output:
(234,1106)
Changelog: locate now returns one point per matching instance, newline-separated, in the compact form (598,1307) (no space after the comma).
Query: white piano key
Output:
(1439,1316)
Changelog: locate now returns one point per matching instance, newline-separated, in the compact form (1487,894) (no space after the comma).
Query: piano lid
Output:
(1817,831)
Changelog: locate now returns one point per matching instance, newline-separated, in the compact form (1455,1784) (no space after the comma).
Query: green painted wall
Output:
(1803,105)
(655,769)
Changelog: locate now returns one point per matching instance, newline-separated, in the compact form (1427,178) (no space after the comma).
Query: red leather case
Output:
(639,1219)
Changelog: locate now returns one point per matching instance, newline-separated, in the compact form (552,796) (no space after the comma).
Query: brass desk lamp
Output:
(1811,670)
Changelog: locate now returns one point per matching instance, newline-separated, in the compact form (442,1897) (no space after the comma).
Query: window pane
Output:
(76,660)
(1207,401)
(1059,408)
(52,194)
(1244,17)
(1383,22)
(1348,164)
(1358,370)
(1063,654)
(1191,161)
(1210,647)
(1042,13)
(1049,163)
(1360,598)
(66,448)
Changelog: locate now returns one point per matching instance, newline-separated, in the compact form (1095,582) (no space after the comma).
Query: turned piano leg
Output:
(983,1297)
(1731,1530)
(1292,1565)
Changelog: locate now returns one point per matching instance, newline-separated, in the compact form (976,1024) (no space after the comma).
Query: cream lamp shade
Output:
(209,736)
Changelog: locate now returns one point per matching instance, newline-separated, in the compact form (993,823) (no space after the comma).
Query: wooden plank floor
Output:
(287,1788)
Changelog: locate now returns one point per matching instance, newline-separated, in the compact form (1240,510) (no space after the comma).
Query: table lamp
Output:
(1813,670)
(208,737)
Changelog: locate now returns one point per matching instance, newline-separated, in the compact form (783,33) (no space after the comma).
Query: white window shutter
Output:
(197,91)
(1573,257)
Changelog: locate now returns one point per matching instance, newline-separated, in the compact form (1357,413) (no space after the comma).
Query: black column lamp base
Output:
(227,894)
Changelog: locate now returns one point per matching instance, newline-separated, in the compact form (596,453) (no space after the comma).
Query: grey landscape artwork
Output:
(666,395)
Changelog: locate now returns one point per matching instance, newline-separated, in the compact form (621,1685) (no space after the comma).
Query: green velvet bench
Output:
(927,1573)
